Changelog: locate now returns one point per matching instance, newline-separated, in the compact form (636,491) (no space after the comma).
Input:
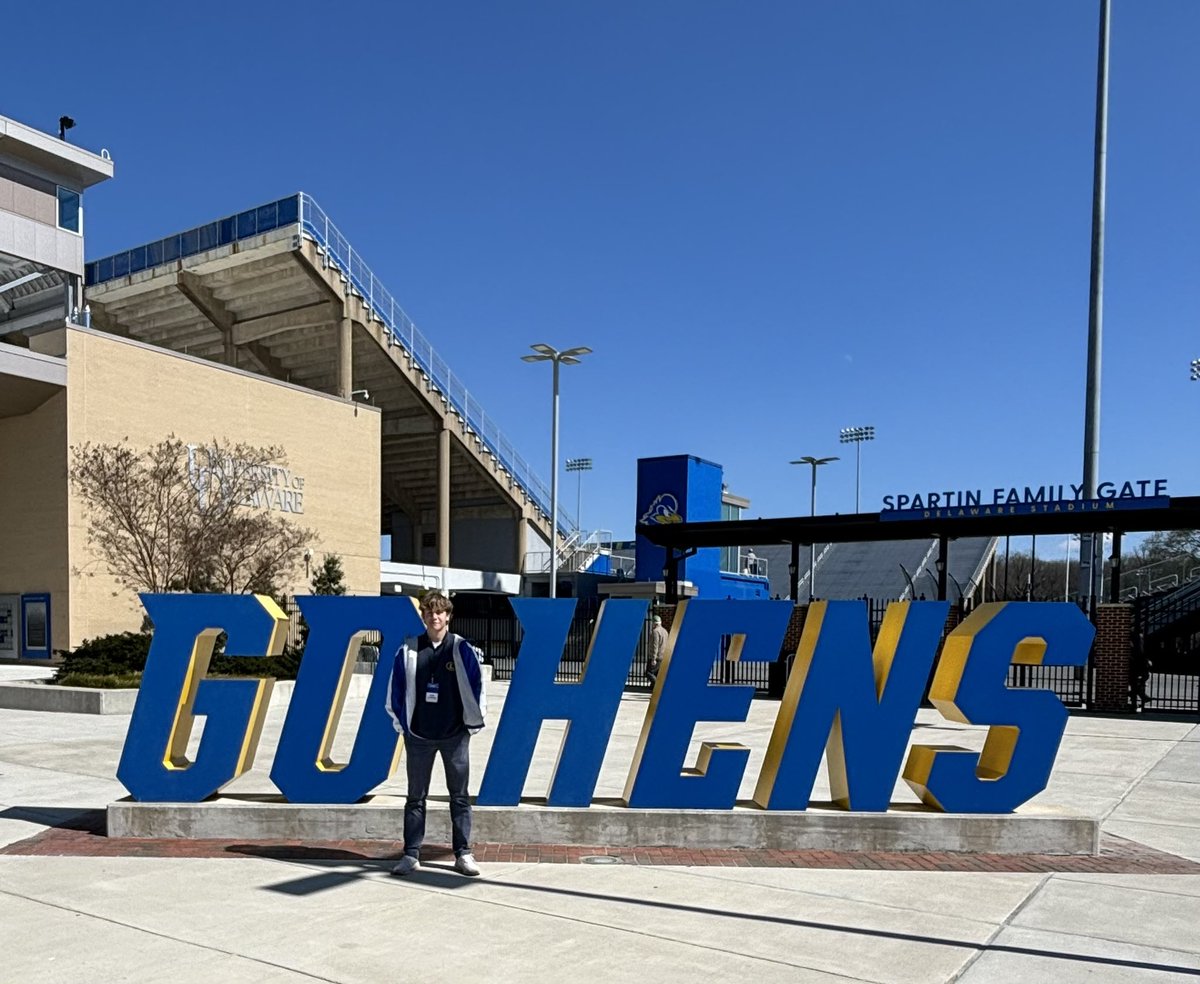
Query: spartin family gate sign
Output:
(856,704)
(1028,500)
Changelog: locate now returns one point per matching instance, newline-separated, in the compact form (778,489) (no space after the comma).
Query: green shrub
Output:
(106,681)
(282,667)
(120,654)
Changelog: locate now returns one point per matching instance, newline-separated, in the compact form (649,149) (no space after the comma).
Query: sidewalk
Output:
(87,908)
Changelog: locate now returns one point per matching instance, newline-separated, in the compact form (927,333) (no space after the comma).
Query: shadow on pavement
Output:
(58,817)
(443,877)
(429,875)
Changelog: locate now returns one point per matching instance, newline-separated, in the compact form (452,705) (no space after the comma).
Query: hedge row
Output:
(123,654)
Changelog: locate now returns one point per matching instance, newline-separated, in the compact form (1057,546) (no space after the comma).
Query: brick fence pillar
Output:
(1110,657)
(779,670)
(668,615)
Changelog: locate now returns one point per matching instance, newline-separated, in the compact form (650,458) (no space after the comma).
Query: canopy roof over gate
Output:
(1182,513)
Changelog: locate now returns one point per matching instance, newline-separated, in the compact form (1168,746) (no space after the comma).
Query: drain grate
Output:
(600,859)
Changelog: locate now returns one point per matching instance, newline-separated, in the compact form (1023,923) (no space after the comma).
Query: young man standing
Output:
(437,702)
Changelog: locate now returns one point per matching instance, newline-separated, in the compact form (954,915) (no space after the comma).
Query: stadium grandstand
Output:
(277,290)
(901,570)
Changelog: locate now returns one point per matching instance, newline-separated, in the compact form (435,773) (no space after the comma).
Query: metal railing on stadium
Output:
(222,232)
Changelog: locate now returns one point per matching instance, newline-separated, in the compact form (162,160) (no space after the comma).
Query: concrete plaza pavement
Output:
(293,916)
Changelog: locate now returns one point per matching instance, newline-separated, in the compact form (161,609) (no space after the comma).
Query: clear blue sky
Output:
(769,220)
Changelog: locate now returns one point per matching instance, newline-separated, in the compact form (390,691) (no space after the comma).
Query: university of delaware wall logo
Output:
(664,509)
(854,705)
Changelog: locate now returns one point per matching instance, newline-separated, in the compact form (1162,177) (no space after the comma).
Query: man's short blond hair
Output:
(435,601)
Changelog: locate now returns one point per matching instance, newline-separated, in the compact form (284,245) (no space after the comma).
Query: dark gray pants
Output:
(418,757)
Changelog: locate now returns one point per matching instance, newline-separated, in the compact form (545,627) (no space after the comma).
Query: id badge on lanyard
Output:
(431,693)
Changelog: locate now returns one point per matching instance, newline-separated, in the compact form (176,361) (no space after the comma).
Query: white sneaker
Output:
(407,865)
(465,864)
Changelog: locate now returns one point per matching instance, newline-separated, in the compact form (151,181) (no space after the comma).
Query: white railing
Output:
(580,553)
(401,329)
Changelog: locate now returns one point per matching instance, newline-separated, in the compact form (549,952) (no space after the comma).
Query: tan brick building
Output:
(111,390)
(63,385)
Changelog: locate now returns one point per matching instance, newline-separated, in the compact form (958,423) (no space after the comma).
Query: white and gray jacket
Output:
(468,671)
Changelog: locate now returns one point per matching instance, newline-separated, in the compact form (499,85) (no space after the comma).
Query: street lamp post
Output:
(579,465)
(814,463)
(856,436)
(568,357)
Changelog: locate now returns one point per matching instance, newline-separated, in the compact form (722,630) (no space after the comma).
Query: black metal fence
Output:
(1165,672)
(1165,664)
(1072,684)
(297,634)
(497,633)
(500,640)
(499,637)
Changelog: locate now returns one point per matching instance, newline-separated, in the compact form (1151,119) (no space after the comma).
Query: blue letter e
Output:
(658,778)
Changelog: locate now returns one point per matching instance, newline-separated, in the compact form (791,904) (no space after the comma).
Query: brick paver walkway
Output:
(85,837)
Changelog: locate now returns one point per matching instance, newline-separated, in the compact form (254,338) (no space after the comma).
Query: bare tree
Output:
(1181,544)
(1164,560)
(1030,578)
(189,517)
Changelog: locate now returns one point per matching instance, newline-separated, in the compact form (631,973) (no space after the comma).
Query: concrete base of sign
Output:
(37,696)
(606,824)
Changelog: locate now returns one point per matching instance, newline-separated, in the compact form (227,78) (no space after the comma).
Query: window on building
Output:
(70,210)
(729,555)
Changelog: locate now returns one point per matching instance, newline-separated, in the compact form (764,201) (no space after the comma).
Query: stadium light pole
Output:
(1067,578)
(856,436)
(814,463)
(567,357)
(1196,370)
(1088,554)
(579,465)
